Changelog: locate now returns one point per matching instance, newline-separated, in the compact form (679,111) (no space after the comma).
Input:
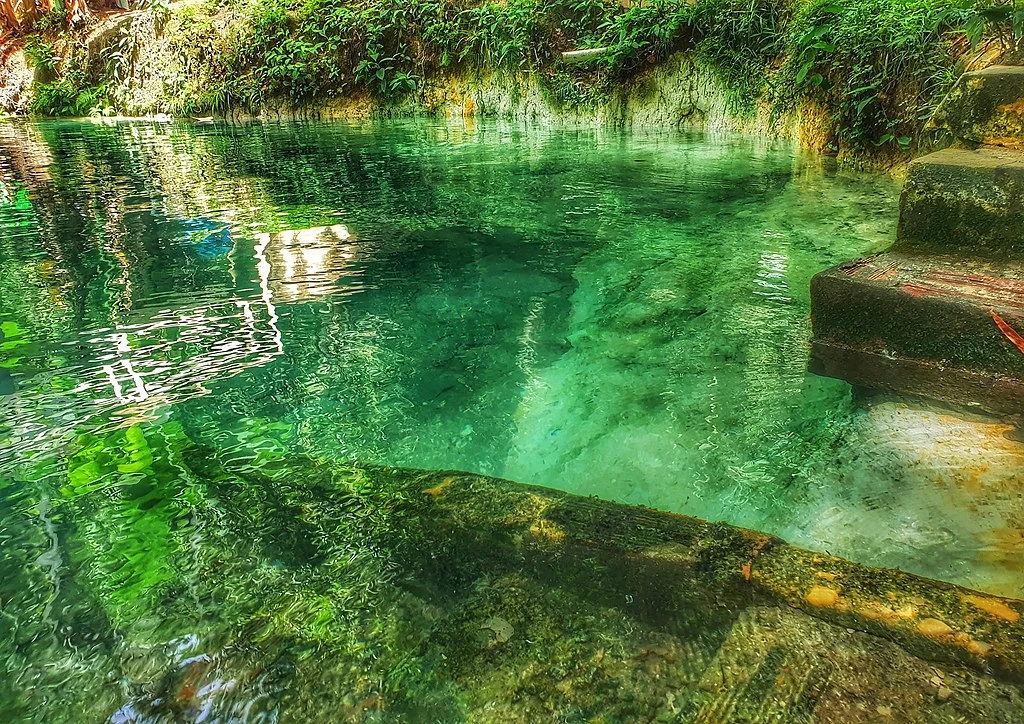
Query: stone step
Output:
(986,106)
(923,325)
(711,585)
(959,200)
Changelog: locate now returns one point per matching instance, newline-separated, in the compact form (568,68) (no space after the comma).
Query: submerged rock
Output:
(500,631)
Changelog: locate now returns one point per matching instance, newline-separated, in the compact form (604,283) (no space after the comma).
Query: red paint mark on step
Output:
(1011,334)
(916,290)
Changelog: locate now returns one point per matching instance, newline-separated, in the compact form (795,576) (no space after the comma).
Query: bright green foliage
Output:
(65,91)
(1001,19)
(875,66)
(71,95)
(43,55)
(643,34)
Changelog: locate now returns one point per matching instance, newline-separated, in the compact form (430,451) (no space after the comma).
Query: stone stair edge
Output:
(895,266)
(935,620)
(980,157)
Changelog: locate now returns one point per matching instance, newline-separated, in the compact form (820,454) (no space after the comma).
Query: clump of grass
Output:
(742,41)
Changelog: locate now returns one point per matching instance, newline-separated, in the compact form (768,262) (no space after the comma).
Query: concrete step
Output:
(923,325)
(962,201)
(986,106)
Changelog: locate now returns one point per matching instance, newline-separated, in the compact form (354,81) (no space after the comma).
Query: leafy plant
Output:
(1002,20)
(42,54)
(70,95)
(54,21)
(119,56)
(643,34)
(878,66)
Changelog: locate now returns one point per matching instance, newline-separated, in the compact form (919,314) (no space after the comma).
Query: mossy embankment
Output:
(855,77)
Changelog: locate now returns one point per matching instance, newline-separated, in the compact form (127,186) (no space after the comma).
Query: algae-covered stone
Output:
(963,201)
(822,597)
(986,106)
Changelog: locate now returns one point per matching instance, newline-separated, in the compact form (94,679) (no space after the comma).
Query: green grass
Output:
(878,66)
(875,66)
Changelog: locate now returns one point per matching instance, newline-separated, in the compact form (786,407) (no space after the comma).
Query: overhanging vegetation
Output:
(875,67)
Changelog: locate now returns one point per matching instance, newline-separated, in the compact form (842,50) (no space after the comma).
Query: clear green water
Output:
(619,316)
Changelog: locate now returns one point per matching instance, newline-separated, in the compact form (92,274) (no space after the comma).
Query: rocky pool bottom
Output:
(377,594)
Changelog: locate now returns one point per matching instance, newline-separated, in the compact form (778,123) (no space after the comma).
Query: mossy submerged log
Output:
(931,619)
(678,566)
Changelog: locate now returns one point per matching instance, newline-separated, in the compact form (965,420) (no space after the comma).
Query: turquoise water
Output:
(611,315)
(624,317)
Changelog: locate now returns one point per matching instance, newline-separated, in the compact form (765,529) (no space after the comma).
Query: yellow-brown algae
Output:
(440,488)
(822,597)
(827,576)
(907,612)
(549,530)
(877,612)
(933,628)
(993,607)
(1016,107)
(979,648)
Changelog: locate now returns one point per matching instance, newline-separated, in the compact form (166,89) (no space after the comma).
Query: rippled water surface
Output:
(619,316)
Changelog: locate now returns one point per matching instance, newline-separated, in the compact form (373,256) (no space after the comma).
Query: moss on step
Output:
(985,107)
(965,202)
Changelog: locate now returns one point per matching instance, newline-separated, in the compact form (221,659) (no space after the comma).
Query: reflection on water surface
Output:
(616,316)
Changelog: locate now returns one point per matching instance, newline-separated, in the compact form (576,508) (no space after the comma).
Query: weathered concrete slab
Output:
(967,201)
(986,106)
(555,599)
(922,325)
(675,558)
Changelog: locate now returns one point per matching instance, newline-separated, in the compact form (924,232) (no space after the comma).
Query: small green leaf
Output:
(803,72)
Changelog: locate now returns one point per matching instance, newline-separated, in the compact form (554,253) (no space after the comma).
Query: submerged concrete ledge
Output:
(933,620)
(518,603)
